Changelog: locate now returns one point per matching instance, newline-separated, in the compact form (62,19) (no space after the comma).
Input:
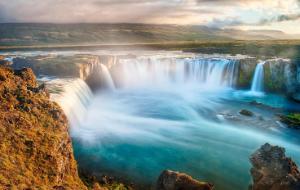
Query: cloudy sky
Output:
(241,14)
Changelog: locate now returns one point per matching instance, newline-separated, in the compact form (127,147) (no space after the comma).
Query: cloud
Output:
(221,23)
(215,13)
(280,18)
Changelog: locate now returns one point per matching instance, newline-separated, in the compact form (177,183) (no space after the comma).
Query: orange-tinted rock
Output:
(170,180)
(35,147)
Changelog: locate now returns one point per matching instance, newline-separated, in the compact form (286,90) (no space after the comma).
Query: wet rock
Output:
(291,120)
(255,103)
(272,170)
(296,97)
(280,75)
(246,113)
(245,72)
(170,180)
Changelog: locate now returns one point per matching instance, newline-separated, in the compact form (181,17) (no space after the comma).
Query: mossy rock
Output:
(292,120)
(246,72)
(279,76)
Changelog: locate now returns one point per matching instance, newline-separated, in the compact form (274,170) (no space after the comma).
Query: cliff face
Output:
(245,72)
(280,75)
(35,147)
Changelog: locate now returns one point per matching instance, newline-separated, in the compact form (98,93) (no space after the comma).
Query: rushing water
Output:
(258,79)
(107,77)
(168,113)
(145,71)
(73,95)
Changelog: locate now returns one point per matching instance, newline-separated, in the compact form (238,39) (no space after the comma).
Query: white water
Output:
(158,118)
(258,79)
(109,83)
(162,72)
(73,95)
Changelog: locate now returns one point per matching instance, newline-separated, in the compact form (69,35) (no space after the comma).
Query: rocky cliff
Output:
(35,148)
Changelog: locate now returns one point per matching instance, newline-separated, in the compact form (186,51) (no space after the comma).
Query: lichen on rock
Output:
(35,148)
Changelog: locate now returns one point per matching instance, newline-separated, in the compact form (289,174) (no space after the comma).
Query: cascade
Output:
(153,71)
(258,78)
(73,95)
(105,74)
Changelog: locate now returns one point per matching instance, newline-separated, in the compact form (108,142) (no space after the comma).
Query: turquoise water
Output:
(135,133)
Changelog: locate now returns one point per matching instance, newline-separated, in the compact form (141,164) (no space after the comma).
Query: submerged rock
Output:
(246,113)
(35,148)
(170,180)
(272,170)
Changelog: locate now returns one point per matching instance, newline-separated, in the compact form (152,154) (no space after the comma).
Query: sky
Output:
(281,15)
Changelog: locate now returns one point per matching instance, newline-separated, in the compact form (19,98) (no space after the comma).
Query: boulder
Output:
(170,180)
(246,113)
(272,170)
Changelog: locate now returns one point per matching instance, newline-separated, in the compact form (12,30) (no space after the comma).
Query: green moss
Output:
(246,71)
(294,116)
(274,82)
(292,120)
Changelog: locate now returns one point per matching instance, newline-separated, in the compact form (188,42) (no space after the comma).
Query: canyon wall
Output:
(280,75)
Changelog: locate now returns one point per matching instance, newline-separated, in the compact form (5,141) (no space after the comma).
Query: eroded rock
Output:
(170,180)
(35,147)
(272,170)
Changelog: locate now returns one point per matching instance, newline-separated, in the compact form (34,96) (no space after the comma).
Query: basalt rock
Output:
(246,113)
(170,180)
(280,76)
(35,147)
(272,170)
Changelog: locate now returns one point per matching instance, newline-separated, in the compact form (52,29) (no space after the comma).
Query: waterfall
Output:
(258,79)
(73,95)
(153,71)
(105,74)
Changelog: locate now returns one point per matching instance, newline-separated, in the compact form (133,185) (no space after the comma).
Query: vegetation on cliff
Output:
(35,148)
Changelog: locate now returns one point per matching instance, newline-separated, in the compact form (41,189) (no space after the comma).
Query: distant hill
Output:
(26,34)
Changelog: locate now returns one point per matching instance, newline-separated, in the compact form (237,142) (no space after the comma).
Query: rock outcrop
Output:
(245,72)
(272,170)
(280,76)
(170,180)
(35,147)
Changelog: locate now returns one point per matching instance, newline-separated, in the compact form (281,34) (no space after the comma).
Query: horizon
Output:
(148,24)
